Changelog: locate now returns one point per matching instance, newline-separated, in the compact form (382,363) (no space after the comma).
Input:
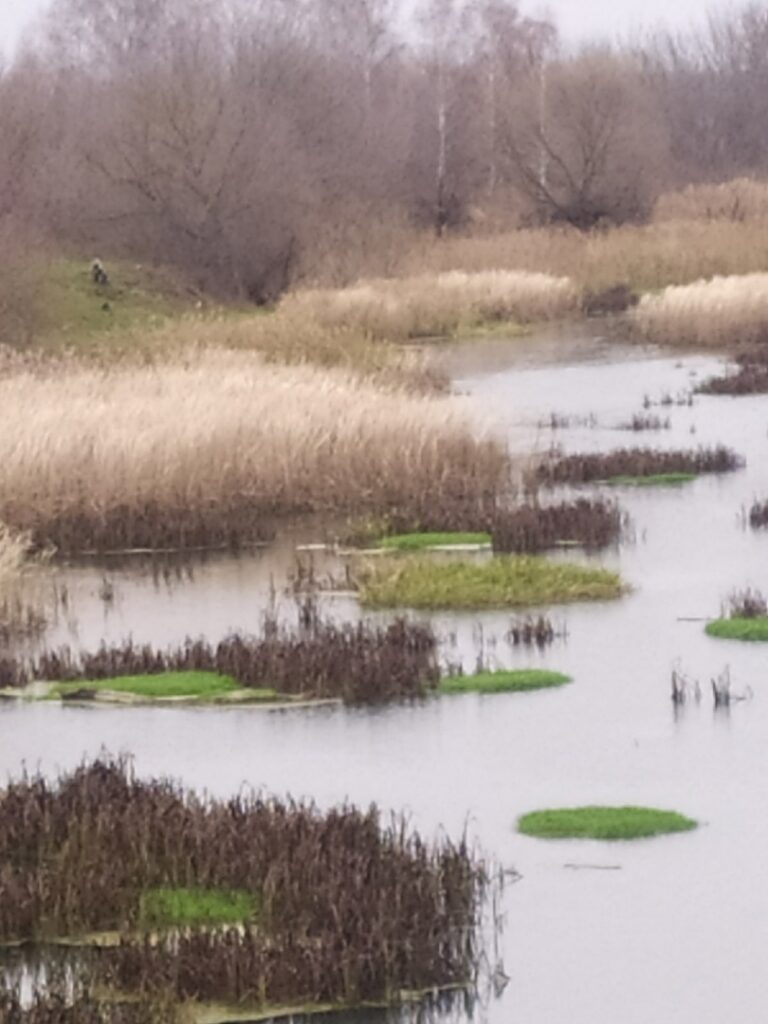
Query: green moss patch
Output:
(504,581)
(424,541)
(654,480)
(518,681)
(610,823)
(739,629)
(166,684)
(166,908)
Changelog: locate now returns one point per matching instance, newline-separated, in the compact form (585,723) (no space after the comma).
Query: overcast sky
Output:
(578,19)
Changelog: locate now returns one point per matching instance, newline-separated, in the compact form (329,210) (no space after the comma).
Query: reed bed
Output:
(436,305)
(201,450)
(631,463)
(527,529)
(721,312)
(640,257)
(351,909)
(739,200)
(359,663)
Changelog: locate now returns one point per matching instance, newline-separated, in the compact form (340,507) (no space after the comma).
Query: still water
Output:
(669,931)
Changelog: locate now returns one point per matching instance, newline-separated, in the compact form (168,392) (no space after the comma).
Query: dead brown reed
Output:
(758,514)
(436,305)
(21,605)
(642,421)
(59,1005)
(534,631)
(635,463)
(201,449)
(747,379)
(590,523)
(351,909)
(358,664)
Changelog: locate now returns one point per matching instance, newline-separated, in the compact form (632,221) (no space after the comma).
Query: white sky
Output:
(578,19)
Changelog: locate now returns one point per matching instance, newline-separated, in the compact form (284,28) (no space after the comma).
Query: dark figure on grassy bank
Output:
(99,275)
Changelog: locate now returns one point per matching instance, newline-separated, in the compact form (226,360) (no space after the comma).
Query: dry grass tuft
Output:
(433,305)
(199,449)
(724,311)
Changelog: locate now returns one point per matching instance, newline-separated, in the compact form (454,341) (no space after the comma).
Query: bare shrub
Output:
(739,200)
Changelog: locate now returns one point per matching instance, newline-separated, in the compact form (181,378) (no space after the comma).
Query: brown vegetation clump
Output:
(348,909)
(200,449)
(359,664)
(723,312)
(635,462)
(533,527)
(758,514)
(58,1004)
(436,305)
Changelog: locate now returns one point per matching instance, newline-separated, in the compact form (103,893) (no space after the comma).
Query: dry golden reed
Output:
(645,257)
(742,199)
(724,311)
(197,450)
(434,305)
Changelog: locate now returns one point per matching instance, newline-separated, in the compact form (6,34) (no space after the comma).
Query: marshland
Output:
(318,622)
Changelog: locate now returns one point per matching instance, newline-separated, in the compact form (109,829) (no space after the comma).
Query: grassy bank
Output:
(504,581)
(516,681)
(202,449)
(610,823)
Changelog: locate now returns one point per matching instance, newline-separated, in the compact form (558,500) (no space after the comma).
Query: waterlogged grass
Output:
(755,629)
(517,681)
(654,480)
(610,823)
(165,908)
(425,541)
(166,684)
(504,581)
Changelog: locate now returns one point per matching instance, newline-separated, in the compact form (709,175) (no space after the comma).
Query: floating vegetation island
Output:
(504,581)
(609,823)
(513,681)
(251,902)
(746,618)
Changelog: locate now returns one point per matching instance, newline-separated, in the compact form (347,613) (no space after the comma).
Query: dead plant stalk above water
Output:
(199,449)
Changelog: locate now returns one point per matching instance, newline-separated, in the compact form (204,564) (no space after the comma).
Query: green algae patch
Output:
(163,685)
(754,630)
(503,582)
(516,681)
(653,480)
(425,541)
(180,908)
(610,823)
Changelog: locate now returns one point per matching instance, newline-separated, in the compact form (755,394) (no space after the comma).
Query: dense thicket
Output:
(254,144)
